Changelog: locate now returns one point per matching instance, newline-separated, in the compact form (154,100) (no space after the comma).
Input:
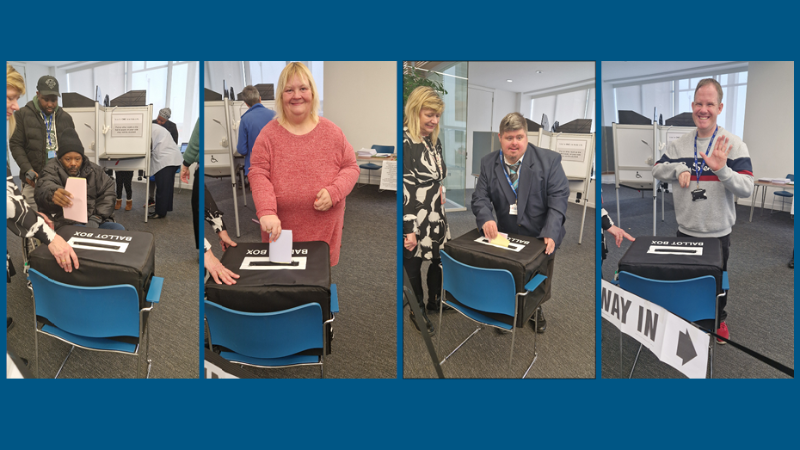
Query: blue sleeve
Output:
(241,146)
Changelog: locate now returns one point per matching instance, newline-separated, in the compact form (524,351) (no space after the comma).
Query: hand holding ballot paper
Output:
(73,199)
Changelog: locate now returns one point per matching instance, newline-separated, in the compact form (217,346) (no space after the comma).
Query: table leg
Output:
(753,203)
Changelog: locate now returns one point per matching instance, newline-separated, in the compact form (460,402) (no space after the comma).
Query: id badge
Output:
(51,154)
(513,210)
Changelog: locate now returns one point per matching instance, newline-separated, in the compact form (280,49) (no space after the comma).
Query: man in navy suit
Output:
(526,188)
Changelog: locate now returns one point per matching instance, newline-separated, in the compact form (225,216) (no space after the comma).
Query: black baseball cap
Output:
(47,85)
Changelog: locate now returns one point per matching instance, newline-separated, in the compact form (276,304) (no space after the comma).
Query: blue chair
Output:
(292,337)
(373,166)
(93,318)
(693,300)
(480,292)
(782,194)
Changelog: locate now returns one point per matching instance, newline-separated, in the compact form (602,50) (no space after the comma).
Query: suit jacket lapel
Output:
(500,173)
(526,178)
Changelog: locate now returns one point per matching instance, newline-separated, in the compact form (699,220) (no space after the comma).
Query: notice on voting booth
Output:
(77,212)
(572,149)
(388,176)
(127,125)
(673,340)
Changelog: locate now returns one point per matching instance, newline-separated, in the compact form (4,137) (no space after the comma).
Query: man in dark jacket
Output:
(35,140)
(70,162)
(527,189)
(163,119)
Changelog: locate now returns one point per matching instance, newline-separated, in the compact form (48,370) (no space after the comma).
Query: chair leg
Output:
(460,345)
(634,361)
(147,349)
(36,342)
(513,338)
(441,309)
(65,361)
(535,354)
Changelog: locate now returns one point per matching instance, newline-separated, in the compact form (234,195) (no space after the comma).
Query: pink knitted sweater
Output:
(287,171)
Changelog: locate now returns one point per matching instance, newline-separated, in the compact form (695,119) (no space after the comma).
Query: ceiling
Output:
(524,77)
(622,71)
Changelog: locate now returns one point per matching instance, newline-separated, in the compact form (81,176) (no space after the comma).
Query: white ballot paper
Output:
(77,212)
(280,251)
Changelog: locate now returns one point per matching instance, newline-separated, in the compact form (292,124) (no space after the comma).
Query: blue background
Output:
(399,413)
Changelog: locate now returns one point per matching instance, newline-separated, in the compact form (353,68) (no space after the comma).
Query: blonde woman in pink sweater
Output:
(302,167)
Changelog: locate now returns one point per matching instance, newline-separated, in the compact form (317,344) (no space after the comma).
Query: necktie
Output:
(513,175)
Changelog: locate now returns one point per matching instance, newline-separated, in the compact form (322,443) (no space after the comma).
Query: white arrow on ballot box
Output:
(673,340)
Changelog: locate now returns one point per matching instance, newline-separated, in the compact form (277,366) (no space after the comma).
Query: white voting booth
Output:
(116,137)
(221,135)
(636,149)
(577,156)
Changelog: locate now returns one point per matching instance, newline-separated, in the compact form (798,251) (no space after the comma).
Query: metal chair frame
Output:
(321,362)
(144,331)
(530,286)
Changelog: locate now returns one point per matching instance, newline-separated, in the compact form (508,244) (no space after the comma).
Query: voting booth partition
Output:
(636,150)
(524,258)
(116,137)
(265,286)
(577,158)
(220,137)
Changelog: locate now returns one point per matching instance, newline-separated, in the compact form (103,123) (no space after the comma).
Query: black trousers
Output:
(196,208)
(165,186)
(124,179)
(413,267)
(725,242)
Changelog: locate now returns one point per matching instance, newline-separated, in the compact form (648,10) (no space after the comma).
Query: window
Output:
(565,107)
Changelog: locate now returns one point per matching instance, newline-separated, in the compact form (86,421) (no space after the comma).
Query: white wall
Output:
(504,102)
(361,98)
(769,120)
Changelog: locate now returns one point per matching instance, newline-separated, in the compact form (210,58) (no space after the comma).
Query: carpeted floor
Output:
(565,350)
(365,343)
(760,302)
(174,323)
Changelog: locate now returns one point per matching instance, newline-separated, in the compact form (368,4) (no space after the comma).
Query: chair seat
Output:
(370,166)
(477,316)
(271,362)
(89,342)
(784,194)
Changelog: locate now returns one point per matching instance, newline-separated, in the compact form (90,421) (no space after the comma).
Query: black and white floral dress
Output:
(22,220)
(423,212)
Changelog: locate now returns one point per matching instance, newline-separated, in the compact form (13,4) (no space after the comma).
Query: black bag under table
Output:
(105,257)
(264,286)
(524,258)
(674,258)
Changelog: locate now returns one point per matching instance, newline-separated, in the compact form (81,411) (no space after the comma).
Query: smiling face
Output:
(705,109)
(514,143)
(12,95)
(297,97)
(72,163)
(428,121)
(48,103)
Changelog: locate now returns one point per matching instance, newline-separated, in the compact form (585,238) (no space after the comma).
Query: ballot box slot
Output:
(675,250)
(511,246)
(263,263)
(93,244)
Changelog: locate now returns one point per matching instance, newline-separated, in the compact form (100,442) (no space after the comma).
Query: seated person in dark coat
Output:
(51,197)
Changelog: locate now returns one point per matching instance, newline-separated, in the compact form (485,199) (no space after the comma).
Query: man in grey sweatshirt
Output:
(712,166)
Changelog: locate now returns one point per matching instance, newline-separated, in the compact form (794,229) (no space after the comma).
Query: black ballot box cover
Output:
(105,257)
(524,258)
(674,258)
(264,286)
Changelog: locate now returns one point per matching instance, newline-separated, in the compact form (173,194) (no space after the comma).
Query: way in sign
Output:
(615,304)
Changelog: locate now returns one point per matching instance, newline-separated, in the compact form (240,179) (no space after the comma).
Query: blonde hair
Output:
(14,80)
(421,98)
(299,69)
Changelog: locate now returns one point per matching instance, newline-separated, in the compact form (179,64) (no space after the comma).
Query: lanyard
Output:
(48,124)
(505,172)
(699,167)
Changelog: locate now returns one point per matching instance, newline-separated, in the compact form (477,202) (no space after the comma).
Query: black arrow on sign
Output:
(686,350)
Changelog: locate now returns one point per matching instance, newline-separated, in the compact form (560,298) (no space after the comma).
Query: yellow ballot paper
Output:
(77,212)
(500,240)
